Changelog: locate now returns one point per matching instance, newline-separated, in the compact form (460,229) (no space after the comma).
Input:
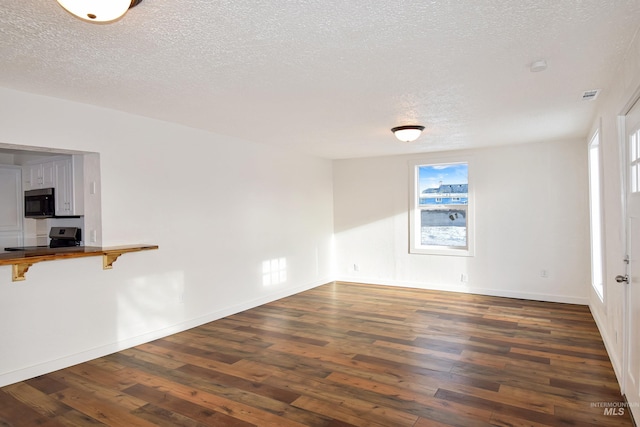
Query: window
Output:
(441,209)
(595,209)
(634,158)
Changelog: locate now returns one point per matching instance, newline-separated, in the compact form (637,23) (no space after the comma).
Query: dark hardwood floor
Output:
(345,355)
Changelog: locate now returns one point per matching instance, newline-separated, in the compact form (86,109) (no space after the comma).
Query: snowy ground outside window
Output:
(444,236)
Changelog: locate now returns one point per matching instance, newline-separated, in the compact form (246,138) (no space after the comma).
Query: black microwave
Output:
(39,203)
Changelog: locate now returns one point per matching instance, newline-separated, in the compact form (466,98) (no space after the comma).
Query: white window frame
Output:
(415,245)
(596,222)
(634,162)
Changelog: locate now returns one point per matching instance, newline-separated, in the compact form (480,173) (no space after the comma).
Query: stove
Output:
(61,237)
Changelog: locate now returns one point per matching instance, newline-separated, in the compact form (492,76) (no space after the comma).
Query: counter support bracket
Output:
(19,270)
(108,260)
(21,261)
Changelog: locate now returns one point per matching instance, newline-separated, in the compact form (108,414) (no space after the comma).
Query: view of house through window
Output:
(440,211)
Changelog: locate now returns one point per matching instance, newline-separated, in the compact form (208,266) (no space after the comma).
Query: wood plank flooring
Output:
(345,355)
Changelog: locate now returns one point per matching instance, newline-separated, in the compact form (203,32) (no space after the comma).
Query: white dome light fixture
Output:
(408,133)
(98,10)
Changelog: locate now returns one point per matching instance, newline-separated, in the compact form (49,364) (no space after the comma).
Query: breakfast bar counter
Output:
(22,260)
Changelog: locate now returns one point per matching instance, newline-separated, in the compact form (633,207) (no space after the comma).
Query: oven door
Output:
(39,203)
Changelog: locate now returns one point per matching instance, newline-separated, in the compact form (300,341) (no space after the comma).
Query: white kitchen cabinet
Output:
(64,187)
(64,175)
(10,206)
(10,240)
(10,199)
(39,175)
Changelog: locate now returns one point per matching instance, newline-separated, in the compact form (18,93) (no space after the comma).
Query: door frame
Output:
(623,179)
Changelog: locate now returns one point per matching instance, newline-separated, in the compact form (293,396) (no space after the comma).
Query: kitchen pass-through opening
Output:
(74,178)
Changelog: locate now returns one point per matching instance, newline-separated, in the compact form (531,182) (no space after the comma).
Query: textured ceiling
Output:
(331,77)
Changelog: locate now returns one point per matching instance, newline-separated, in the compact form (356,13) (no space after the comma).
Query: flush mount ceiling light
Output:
(98,10)
(407,133)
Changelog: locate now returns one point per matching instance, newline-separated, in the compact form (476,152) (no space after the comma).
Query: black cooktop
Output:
(25,248)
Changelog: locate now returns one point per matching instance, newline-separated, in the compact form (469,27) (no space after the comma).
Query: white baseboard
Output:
(614,357)
(468,290)
(74,359)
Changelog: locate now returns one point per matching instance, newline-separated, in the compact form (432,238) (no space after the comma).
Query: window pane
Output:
(441,212)
(597,273)
(444,184)
(634,178)
(444,226)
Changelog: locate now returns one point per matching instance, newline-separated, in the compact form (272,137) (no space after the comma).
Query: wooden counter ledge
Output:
(22,260)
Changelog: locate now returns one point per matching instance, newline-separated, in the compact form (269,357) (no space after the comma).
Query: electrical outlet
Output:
(464,278)
(544,273)
(356,267)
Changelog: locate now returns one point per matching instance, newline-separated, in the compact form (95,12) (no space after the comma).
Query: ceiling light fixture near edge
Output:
(98,10)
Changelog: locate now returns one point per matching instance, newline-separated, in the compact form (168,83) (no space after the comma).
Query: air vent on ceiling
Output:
(589,95)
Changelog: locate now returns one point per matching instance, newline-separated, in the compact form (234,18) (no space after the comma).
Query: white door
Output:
(632,275)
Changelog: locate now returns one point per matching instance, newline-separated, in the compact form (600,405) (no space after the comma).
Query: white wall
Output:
(531,215)
(217,207)
(616,101)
